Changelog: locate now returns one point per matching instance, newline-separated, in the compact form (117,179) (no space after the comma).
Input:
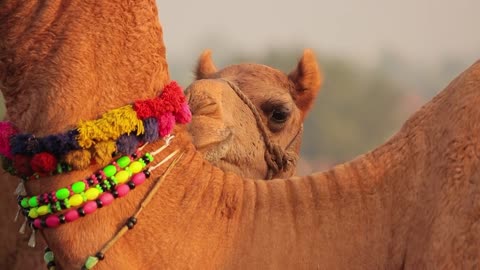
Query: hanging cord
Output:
(93,260)
(276,158)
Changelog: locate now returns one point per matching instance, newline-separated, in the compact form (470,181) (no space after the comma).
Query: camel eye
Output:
(279,116)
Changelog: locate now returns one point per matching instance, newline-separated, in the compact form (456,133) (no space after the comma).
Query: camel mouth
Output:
(217,150)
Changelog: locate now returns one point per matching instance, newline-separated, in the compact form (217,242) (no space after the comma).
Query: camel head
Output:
(224,128)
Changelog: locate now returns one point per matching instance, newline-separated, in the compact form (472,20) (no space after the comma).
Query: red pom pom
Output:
(43,162)
(21,164)
(170,100)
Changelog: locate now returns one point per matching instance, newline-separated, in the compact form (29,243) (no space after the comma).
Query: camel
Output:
(413,202)
(221,137)
(281,103)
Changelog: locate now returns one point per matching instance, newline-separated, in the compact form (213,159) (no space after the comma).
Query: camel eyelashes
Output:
(279,116)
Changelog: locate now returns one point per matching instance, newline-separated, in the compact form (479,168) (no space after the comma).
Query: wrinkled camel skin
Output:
(224,129)
(213,118)
(413,202)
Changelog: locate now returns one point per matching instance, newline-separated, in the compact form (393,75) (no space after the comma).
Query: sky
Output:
(419,30)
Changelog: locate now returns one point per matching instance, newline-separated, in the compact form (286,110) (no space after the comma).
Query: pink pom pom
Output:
(166,124)
(6,131)
(184,115)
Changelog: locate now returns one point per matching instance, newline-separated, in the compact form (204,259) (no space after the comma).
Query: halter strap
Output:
(278,160)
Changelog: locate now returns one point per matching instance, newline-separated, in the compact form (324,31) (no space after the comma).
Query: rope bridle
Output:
(278,160)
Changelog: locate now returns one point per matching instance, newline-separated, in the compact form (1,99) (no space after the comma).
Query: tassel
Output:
(22,228)
(32,241)
(20,190)
(18,213)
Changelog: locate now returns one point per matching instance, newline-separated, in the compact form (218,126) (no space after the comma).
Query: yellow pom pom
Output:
(122,177)
(112,124)
(78,159)
(76,200)
(92,194)
(104,151)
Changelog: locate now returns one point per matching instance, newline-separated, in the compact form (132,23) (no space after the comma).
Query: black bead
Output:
(64,167)
(131,185)
(62,205)
(133,220)
(50,264)
(25,212)
(54,208)
(104,186)
(61,217)
(84,268)
(19,198)
(50,197)
(115,194)
(112,184)
(81,211)
(146,160)
(99,203)
(134,156)
(100,256)
(90,181)
(147,173)
(47,249)
(130,225)
(40,200)
(99,176)
(43,223)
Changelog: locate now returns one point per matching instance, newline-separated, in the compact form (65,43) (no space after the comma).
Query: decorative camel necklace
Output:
(121,133)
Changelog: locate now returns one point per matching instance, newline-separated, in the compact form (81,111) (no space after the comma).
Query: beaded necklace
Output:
(107,197)
(84,190)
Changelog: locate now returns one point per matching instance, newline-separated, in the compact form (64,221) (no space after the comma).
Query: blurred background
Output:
(381,59)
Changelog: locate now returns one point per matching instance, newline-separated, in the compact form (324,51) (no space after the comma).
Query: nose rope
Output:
(276,158)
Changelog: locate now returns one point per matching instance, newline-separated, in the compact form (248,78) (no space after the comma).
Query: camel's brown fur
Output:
(413,202)
(224,129)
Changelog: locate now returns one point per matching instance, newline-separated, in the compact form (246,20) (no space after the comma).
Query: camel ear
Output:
(307,79)
(205,65)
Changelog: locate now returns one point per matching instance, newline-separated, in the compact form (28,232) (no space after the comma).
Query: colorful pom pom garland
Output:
(118,131)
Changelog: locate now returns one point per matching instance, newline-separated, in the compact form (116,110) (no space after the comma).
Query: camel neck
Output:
(67,61)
